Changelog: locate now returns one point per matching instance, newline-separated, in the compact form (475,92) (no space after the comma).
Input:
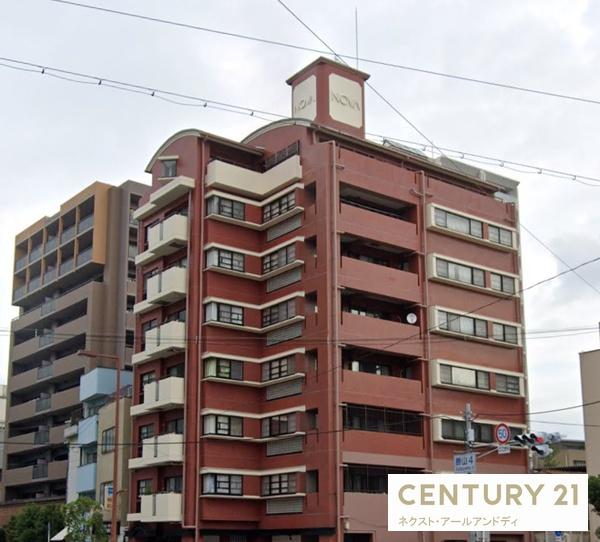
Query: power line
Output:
(199,102)
(383,63)
(559,258)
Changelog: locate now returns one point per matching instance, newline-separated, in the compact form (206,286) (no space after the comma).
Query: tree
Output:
(83,519)
(31,523)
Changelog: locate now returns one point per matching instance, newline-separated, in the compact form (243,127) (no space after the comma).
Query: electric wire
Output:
(168,96)
(372,61)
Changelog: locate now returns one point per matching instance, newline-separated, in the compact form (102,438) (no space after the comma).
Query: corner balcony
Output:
(161,395)
(166,287)
(165,238)
(161,507)
(159,450)
(162,341)
(55,470)
(165,195)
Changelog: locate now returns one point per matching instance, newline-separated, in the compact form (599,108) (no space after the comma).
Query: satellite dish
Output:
(411,318)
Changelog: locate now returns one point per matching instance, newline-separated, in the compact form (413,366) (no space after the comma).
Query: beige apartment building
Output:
(590,386)
(74,284)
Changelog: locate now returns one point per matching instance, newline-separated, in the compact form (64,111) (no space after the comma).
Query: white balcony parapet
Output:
(253,183)
(165,238)
(163,288)
(160,341)
(168,193)
(161,395)
(159,450)
(160,507)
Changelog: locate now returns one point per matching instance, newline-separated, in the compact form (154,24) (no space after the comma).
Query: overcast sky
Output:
(57,136)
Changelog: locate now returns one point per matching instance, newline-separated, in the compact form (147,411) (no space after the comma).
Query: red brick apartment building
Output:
(314,310)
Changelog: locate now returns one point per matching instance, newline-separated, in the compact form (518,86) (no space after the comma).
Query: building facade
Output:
(314,311)
(590,376)
(74,281)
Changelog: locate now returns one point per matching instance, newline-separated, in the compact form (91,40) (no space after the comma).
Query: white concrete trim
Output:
(298,238)
(249,201)
(212,299)
(284,354)
(249,472)
(254,416)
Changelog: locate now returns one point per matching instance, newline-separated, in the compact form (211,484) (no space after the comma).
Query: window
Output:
(369,478)
(312,481)
(147,378)
(461,273)
(105,489)
(224,368)
(145,278)
(146,431)
(108,440)
(225,259)
(279,206)
(279,258)
(174,426)
(169,168)
(459,224)
(229,314)
(383,420)
(279,313)
(222,484)
(147,326)
(504,333)
(462,324)
(508,384)
(279,484)
(312,419)
(278,368)
(225,207)
(502,283)
(130,303)
(144,487)
(231,426)
(500,236)
(279,425)
(460,376)
(177,316)
(172,484)
(88,456)
(176,370)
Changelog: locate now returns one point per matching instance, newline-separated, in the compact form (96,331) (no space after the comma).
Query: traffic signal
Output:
(538,442)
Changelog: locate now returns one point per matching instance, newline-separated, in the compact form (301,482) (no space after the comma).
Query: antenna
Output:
(356,32)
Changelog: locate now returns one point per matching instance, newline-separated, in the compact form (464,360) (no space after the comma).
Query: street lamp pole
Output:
(115,482)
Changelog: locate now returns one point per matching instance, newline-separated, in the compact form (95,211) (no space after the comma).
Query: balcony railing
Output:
(66,266)
(35,253)
(42,437)
(43,403)
(34,283)
(47,307)
(20,263)
(68,234)
(40,471)
(19,292)
(51,244)
(44,371)
(46,339)
(85,223)
(84,256)
(49,276)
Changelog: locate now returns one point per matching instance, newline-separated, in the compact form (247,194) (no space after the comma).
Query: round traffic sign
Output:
(502,432)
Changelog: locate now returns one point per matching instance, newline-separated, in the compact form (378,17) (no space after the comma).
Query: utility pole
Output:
(469,433)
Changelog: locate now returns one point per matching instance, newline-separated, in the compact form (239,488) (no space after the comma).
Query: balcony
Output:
(165,238)
(19,292)
(84,256)
(379,279)
(159,450)
(161,395)
(68,234)
(162,341)
(49,276)
(252,183)
(85,223)
(35,439)
(166,287)
(66,266)
(55,470)
(160,507)
(100,382)
(85,480)
(21,263)
(396,338)
(51,244)
(376,390)
(377,227)
(165,195)
(88,430)
(34,283)
(35,254)
(57,401)
(46,338)
(56,370)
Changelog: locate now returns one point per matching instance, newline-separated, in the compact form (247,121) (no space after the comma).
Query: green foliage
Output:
(594,492)
(31,524)
(83,518)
